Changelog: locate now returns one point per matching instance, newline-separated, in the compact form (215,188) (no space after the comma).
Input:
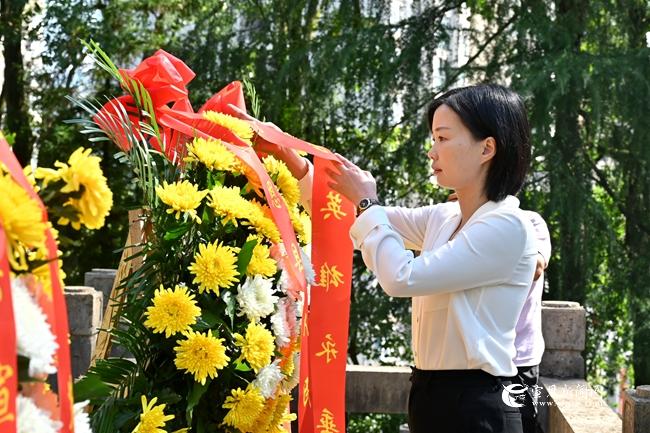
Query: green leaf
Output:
(215,179)
(200,425)
(177,232)
(206,216)
(193,398)
(245,256)
(91,387)
(242,366)
(208,320)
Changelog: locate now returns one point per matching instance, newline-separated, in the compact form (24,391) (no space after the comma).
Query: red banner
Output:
(325,323)
(8,356)
(54,307)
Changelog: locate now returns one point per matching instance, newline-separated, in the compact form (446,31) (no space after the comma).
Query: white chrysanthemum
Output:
(32,419)
(81,418)
(34,337)
(299,305)
(294,380)
(284,281)
(279,325)
(310,275)
(268,379)
(255,298)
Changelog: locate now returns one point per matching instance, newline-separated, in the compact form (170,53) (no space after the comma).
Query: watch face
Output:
(364,203)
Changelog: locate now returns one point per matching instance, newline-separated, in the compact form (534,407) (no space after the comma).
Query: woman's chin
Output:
(440,181)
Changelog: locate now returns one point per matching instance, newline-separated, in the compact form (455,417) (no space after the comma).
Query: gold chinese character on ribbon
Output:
(333,208)
(305,393)
(297,257)
(275,198)
(5,373)
(326,423)
(329,275)
(329,348)
(305,327)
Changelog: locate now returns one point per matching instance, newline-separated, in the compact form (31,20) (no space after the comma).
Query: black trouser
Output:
(460,401)
(528,377)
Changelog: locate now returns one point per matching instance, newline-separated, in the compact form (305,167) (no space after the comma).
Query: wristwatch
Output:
(365,203)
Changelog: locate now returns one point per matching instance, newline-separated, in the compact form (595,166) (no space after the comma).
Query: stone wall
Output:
(636,410)
(84,305)
(564,328)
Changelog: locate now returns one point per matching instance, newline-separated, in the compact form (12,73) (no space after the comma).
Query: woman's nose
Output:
(432,153)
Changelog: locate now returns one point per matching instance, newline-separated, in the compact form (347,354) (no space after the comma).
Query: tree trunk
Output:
(13,92)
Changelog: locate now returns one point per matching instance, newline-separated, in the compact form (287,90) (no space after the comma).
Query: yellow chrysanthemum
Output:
(245,407)
(215,267)
(287,184)
(257,346)
(261,262)
(305,220)
(239,127)
(263,421)
(42,273)
(288,365)
(213,154)
(172,311)
(298,221)
(152,419)
(228,203)
(21,219)
(182,197)
(260,219)
(83,174)
(281,414)
(28,171)
(201,355)
(47,175)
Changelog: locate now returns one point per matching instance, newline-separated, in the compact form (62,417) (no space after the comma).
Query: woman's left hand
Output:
(352,182)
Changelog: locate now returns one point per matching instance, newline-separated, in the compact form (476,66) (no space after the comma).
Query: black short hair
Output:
(490,110)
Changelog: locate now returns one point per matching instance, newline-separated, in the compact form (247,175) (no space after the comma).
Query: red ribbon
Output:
(54,308)
(8,354)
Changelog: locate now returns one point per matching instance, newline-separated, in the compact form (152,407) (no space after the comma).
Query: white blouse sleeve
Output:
(411,224)
(486,252)
(306,184)
(542,235)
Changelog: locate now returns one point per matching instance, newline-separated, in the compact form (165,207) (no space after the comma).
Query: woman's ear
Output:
(489,149)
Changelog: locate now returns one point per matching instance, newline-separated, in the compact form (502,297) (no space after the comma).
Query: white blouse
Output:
(468,292)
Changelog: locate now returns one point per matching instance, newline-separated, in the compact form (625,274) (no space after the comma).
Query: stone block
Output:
(377,389)
(636,410)
(562,364)
(84,305)
(572,406)
(84,309)
(102,280)
(81,351)
(563,325)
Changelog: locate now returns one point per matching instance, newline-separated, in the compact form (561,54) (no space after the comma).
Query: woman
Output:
(477,260)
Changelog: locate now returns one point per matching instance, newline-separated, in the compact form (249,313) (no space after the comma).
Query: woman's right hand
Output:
(297,165)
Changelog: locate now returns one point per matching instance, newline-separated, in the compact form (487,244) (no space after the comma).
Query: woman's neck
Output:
(469,201)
